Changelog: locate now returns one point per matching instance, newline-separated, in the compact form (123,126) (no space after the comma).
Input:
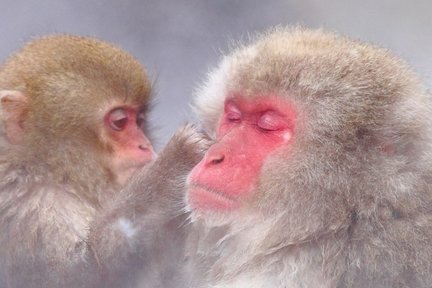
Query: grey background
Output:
(179,40)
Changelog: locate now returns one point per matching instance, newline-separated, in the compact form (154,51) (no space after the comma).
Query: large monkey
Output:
(321,174)
(73,112)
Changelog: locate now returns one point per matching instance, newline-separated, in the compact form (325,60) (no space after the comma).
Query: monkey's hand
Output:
(185,149)
(164,180)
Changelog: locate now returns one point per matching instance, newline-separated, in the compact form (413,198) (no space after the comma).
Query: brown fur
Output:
(349,203)
(70,82)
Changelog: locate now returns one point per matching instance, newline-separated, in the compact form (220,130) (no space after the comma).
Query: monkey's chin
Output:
(203,198)
(126,171)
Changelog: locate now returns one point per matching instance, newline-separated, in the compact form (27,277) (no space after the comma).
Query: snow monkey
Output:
(320,174)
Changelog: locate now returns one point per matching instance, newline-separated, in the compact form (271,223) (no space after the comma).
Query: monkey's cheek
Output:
(200,198)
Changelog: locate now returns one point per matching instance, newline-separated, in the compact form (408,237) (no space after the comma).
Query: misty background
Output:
(178,41)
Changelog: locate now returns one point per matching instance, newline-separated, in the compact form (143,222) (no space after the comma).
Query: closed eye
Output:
(233,117)
(232,113)
(272,121)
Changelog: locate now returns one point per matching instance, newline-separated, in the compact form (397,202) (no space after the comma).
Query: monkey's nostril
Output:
(217,160)
(142,147)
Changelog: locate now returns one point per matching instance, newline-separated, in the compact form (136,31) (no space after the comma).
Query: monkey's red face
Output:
(248,132)
(132,149)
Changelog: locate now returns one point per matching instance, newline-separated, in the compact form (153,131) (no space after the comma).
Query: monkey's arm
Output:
(143,230)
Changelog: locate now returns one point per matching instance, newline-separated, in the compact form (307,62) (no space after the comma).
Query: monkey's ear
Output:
(13,112)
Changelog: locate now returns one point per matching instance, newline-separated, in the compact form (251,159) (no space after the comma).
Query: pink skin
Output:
(248,132)
(132,149)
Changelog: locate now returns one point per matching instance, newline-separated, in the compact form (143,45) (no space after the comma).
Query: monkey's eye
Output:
(272,121)
(118,119)
(233,117)
(232,113)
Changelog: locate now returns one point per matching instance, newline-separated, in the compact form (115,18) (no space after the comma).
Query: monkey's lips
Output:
(125,169)
(202,197)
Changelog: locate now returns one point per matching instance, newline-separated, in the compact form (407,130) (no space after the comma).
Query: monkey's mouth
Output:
(204,197)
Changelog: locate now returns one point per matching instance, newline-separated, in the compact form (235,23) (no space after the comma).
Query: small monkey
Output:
(320,174)
(74,124)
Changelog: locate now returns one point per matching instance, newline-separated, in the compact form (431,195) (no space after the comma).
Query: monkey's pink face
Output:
(248,132)
(132,149)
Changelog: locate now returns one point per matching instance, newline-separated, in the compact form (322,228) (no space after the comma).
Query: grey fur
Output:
(349,204)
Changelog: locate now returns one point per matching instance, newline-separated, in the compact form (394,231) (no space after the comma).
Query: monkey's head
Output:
(311,129)
(71,102)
